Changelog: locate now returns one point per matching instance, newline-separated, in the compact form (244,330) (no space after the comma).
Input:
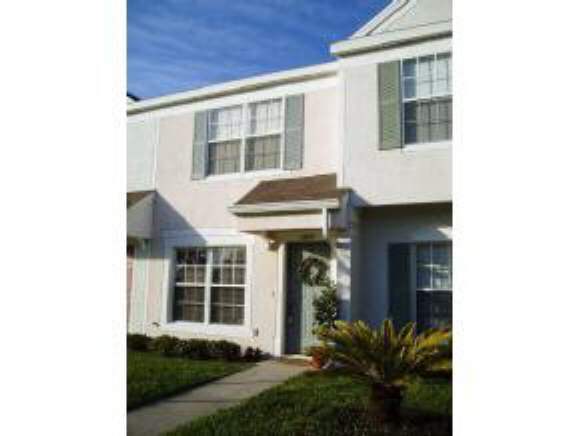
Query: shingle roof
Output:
(322,187)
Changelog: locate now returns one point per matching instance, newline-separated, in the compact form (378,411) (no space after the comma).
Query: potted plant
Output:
(319,356)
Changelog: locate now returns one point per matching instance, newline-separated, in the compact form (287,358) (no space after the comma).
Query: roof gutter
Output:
(236,87)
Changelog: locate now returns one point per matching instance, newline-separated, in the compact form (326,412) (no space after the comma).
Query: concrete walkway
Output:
(167,414)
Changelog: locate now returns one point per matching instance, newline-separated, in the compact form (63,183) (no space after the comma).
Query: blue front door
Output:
(299,297)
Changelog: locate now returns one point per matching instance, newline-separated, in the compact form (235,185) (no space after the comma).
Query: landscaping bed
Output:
(329,403)
(151,376)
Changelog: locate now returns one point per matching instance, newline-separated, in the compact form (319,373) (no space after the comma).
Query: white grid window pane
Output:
(225,123)
(443,74)
(425,72)
(433,266)
(224,157)
(434,285)
(265,117)
(428,120)
(427,108)
(227,305)
(263,153)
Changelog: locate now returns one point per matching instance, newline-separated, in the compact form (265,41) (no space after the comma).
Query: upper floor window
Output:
(256,137)
(427,99)
(225,140)
(264,135)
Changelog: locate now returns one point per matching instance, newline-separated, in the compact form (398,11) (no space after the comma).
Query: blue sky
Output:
(177,45)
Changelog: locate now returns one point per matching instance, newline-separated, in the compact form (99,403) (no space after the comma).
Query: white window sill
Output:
(245,175)
(425,146)
(237,331)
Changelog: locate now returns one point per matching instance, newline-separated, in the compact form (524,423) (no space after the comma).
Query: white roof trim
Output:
(391,38)
(380,18)
(294,206)
(237,86)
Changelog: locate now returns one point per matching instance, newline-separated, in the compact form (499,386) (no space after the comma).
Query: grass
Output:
(151,377)
(327,403)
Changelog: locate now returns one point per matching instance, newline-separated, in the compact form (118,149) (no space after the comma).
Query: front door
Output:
(299,297)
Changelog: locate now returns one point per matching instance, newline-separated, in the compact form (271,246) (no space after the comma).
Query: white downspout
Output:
(324,222)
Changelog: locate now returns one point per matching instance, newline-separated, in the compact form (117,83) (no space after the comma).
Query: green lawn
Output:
(327,403)
(151,377)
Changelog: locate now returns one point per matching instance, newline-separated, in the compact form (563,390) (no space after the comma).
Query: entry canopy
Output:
(140,214)
(291,204)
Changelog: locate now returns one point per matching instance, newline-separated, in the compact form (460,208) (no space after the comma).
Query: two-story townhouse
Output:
(348,162)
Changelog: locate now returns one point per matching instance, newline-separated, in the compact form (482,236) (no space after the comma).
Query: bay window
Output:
(427,99)
(210,285)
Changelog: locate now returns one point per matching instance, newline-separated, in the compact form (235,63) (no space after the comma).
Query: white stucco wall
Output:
(380,227)
(412,174)
(416,13)
(142,139)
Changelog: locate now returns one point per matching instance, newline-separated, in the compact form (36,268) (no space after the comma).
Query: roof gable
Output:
(407,14)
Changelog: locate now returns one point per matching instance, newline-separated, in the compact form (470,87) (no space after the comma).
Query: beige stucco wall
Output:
(198,208)
(261,298)
(416,174)
(183,202)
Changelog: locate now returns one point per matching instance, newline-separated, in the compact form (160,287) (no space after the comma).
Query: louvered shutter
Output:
(389,105)
(199,163)
(399,284)
(294,132)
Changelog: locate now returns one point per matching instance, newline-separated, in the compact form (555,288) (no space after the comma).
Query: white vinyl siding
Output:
(210,285)
(427,99)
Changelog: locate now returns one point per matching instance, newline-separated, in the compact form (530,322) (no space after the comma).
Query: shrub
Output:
(225,350)
(326,306)
(169,346)
(138,342)
(198,349)
(387,359)
(253,354)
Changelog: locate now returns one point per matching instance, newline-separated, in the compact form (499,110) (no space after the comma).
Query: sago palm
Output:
(387,359)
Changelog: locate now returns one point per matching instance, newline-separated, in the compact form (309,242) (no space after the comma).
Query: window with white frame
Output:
(434,284)
(225,140)
(427,99)
(252,132)
(264,135)
(210,285)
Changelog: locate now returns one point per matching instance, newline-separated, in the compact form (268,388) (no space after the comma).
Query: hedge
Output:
(197,349)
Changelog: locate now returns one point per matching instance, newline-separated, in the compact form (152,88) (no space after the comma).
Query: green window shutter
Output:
(390,105)
(199,163)
(399,284)
(294,132)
